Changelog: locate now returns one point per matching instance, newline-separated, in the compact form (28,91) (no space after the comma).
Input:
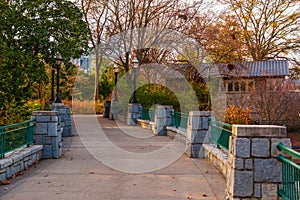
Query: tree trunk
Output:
(99,59)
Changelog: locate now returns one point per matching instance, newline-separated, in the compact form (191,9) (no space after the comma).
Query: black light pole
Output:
(116,70)
(58,60)
(52,84)
(135,67)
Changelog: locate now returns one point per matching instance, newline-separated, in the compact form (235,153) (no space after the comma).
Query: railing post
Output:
(134,110)
(46,133)
(197,132)
(64,118)
(2,150)
(254,171)
(162,119)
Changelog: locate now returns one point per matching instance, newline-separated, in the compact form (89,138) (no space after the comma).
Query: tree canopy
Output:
(270,28)
(32,32)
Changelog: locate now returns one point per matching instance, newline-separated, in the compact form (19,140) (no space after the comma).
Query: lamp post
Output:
(58,61)
(135,67)
(116,70)
(52,84)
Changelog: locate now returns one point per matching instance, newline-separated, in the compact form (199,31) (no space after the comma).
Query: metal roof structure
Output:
(267,68)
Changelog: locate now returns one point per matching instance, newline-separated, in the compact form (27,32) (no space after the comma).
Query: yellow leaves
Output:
(238,115)
(5,182)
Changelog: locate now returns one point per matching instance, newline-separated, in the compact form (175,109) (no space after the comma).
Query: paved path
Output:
(78,175)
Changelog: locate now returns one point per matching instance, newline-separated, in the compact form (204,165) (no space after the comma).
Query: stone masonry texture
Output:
(253,171)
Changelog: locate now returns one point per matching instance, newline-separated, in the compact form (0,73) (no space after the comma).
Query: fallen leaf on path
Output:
(45,175)
(5,182)
(204,195)
(174,190)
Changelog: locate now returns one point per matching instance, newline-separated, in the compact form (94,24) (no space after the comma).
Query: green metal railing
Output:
(16,136)
(148,114)
(220,133)
(180,119)
(290,189)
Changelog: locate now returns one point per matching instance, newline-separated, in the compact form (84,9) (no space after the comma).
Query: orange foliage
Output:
(238,115)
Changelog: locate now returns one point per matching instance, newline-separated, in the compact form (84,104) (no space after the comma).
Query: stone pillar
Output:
(162,119)
(253,171)
(64,118)
(197,132)
(134,110)
(46,133)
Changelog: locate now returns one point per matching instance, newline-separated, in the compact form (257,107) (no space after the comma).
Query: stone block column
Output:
(162,119)
(64,118)
(197,132)
(46,133)
(134,112)
(253,171)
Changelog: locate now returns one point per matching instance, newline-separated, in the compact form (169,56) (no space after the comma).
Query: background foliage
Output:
(32,32)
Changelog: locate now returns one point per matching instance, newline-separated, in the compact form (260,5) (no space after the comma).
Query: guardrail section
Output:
(290,189)
(16,136)
(220,133)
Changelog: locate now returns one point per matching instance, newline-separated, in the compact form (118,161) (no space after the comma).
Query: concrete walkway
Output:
(79,175)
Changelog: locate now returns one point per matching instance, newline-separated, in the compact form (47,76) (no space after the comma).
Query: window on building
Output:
(230,86)
(243,86)
(236,86)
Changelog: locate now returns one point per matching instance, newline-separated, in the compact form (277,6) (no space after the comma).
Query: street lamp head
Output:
(58,59)
(135,62)
(116,68)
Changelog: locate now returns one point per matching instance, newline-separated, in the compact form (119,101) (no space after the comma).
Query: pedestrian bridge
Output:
(82,174)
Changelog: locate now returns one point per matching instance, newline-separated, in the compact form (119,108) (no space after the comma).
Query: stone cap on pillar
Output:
(58,104)
(61,106)
(264,131)
(45,113)
(134,104)
(201,113)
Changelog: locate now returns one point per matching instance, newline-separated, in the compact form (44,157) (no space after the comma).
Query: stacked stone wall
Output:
(134,113)
(48,133)
(197,132)
(20,161)
(254,172)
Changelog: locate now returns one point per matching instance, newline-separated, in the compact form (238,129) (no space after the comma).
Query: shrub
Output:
(18,112)
(238,115)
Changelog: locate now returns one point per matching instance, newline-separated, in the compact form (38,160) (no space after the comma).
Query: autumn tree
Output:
(275,102)
(220,36)
(96,15)
(270,28)
(131,18)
